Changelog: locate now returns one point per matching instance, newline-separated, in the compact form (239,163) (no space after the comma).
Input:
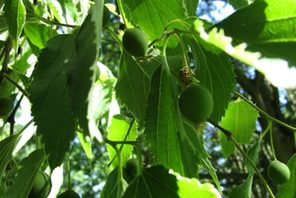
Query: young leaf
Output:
(38,34)
(86,145)
(25,177)
(117,131)
(15,13)
(157,179)
(288,189)
(213,69)
(132,87)
(6,148)
(81,73)
(242,127)
(50,97)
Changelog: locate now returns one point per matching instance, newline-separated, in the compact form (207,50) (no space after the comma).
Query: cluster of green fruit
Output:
(195,102)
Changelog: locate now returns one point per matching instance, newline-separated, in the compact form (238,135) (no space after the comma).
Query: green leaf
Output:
(121,129)
(6,148)
(191,6)
(288,189)
(268,26)
(239,3)
(276,70)
(253,153)
(157,179)
(51,99)
(213,69)
(152,16)
(114,187)
(56,9)
(132,87)
(15,13)
(38,34)
(29,168)
(242,127)
(160,126)
(81,74)
(243,190)
(86,145)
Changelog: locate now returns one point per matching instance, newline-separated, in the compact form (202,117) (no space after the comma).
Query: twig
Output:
(236,144)
(15,84)
(266,115)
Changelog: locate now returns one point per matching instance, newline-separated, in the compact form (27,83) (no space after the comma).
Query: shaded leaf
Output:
(29,168)
(114,187)
(288,189)
(253,154)
(6,148)
(239,3)
(132,87)
(50,97)
(243,190)
(81,73)
(15,13)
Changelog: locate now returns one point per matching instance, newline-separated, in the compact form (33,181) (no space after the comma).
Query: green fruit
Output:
(196,103)
(41,186)
(6,106)
(278,172)
(69,194)
(135,42)
(132,167)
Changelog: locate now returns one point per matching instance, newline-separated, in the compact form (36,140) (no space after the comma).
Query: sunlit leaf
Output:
(157,180)
(38,34)
(152,16)
(213,69)
(242,127)
(86,144)
(121,129)
(265,28)
(160,126)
